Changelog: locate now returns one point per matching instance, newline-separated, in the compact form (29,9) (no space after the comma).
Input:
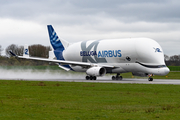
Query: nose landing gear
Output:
(117,77)
(150,77)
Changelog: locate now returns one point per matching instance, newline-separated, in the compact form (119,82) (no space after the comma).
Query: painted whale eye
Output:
(128,58)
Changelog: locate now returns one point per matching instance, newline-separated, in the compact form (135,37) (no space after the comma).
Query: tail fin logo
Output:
(157,50)
(26,52)
(54,39)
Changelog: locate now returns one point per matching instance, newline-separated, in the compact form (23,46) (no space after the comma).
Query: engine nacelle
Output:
(141,74)
(96,71)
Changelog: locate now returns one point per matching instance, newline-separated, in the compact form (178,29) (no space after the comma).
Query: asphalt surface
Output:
(125,80)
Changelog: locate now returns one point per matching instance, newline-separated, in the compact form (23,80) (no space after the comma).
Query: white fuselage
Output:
(127,55)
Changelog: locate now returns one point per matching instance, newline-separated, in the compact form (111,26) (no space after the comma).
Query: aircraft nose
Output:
(166,70)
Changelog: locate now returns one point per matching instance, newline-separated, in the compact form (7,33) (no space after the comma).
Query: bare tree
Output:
(175,58)
(39,50)
(18,50)
(166,57)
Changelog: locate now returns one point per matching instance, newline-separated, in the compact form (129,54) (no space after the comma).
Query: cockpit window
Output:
(161,66)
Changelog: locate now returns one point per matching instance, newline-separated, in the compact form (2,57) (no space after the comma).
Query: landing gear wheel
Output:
(91,78)
(150,79)
(117,77)
(87,78)
(113,77)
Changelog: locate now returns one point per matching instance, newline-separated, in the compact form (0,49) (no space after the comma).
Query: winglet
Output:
(13,54)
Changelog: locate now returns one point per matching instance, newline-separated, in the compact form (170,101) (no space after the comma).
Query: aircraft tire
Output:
(87,77)
(150,79)
(113,77)
(91,77)
(118,78)
(94,77)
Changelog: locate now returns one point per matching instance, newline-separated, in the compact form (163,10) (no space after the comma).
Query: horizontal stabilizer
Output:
(26,51)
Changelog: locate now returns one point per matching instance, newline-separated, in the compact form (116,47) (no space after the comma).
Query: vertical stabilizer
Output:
(57,44)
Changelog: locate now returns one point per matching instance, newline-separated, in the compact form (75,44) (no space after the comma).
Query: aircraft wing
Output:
(62,62)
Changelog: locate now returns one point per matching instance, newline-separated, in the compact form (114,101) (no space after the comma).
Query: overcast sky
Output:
(25,21)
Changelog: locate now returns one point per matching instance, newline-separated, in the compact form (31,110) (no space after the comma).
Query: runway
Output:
(48,75)
(125,80)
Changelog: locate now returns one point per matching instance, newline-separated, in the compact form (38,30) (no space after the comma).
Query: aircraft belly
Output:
(118,70)
(128,67)
(139,68)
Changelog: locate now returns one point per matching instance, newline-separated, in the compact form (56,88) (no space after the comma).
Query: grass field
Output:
(83,101)
(174,68)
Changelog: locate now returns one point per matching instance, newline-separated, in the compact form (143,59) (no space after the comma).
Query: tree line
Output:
(172,60)
(38,50)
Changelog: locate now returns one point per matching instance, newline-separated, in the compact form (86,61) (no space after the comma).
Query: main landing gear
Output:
(117,77)
(90,77)
(150,77)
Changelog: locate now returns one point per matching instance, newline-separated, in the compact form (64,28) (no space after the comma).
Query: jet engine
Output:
(141,74)
(96,71)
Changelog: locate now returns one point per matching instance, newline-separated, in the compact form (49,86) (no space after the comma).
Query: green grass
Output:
(174,68)
(81,101)
(171,75)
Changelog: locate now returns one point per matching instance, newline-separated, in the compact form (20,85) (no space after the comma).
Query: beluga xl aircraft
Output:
(142,56)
